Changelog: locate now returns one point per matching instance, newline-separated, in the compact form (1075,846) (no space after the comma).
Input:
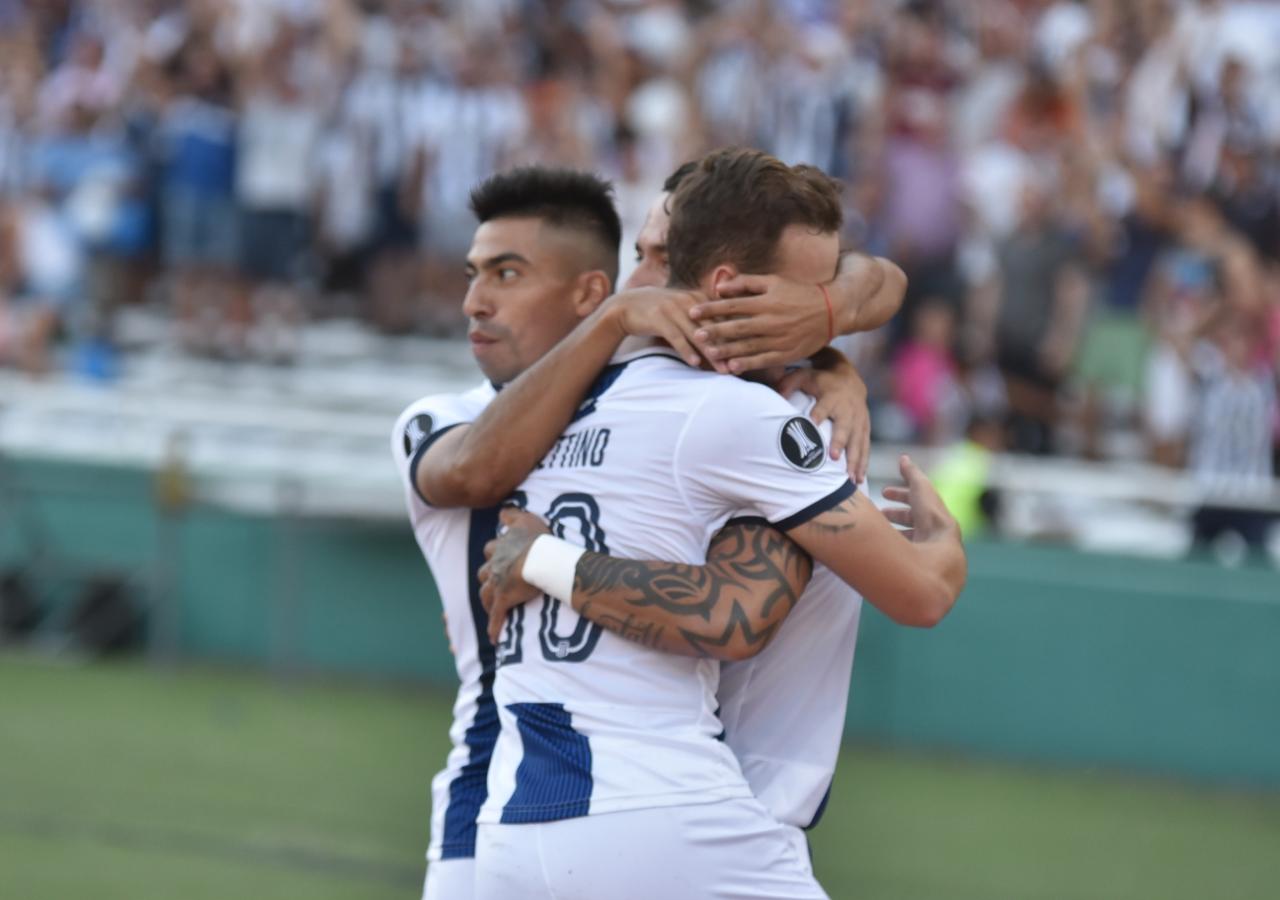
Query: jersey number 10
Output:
(579,512)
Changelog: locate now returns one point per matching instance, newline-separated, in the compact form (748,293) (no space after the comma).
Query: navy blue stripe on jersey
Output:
(603,382)
(421,452)
(553,780)
(608,375)
(470,788)
(822,807)
(813,510)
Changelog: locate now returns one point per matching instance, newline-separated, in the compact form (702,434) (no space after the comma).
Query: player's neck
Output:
(632,345)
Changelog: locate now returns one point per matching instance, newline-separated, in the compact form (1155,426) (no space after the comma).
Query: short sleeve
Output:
(422,424)
(746,450)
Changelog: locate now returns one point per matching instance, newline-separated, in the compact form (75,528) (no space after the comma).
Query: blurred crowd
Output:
(1085,195)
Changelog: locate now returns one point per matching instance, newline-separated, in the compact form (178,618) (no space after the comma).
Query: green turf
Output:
(127,782)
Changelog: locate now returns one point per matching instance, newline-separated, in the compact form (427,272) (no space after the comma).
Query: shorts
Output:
(450,879)
(273,244)
(344,271)
(393,228)
(199,229)
(729,850)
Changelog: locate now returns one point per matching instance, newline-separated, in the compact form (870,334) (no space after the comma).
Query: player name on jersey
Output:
(578,450)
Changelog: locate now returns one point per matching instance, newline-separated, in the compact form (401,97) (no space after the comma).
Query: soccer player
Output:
(787,655)
(543,258)
(608,778)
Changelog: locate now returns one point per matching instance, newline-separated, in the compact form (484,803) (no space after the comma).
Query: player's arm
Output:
(915,576)
(727,609)
(767,320)
(480,464)
(840,395)
(775,462)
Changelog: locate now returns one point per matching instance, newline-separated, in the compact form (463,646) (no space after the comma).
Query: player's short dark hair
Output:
(734,206)
(679,175)
(565,198)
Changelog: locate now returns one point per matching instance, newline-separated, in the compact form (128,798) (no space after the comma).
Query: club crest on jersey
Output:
(801,444)
(417,431)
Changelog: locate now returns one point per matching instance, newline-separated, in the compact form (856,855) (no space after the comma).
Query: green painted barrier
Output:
(1052,656)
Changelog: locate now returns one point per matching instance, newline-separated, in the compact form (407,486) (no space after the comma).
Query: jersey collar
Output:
(635,347)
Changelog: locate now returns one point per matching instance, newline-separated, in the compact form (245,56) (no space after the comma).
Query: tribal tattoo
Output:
(726,609)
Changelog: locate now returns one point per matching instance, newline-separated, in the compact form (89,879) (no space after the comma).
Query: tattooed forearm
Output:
(739,628)
(728,608)
(676,588)
(646,634)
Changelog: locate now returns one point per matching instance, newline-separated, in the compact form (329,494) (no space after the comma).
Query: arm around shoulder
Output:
(913,577)
(869,291)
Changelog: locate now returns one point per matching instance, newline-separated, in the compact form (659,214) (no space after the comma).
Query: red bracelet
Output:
(831,316)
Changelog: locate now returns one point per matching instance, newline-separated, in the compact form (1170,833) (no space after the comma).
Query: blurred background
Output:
(231,235)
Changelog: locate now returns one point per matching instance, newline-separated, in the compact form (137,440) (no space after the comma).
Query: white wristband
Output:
(550,565)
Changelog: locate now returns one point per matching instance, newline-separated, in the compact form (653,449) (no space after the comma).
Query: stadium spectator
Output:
(279,130)
(1036,302)
(206,153)
(926,377)
(200,226)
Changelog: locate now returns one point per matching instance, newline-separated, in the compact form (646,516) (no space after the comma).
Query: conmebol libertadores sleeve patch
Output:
(416,431)
(801,444)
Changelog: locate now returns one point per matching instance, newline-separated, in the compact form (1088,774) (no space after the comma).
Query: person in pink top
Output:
(926,384)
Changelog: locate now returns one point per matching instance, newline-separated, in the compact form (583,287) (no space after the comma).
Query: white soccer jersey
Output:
(452,540)
(783,710)
(658,458)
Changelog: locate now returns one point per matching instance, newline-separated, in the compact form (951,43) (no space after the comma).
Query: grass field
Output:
(127,782)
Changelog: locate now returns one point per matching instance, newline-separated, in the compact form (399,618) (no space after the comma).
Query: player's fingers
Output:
(840,435)
(495,626)
(861,455)
(918,482)
(724,308)
(724,331)
(795,380)
(745,347)
(823,409)
(486,596)
(744,285)
(680,337)
(910,471)
(490,548)
(758,361)
(896,494)
(899,515)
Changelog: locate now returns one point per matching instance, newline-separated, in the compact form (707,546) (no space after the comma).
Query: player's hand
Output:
(502,587)
(841,397)
(925,516)
(664,313)
(761,321)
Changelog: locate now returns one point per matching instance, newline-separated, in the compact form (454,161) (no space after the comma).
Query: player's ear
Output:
(720,274)
(593,288)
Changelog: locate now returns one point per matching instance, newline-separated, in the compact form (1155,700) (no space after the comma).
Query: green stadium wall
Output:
(1052,656)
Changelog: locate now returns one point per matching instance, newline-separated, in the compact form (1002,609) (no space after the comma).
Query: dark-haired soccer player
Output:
(786,646)
(543,259)
(608,778)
